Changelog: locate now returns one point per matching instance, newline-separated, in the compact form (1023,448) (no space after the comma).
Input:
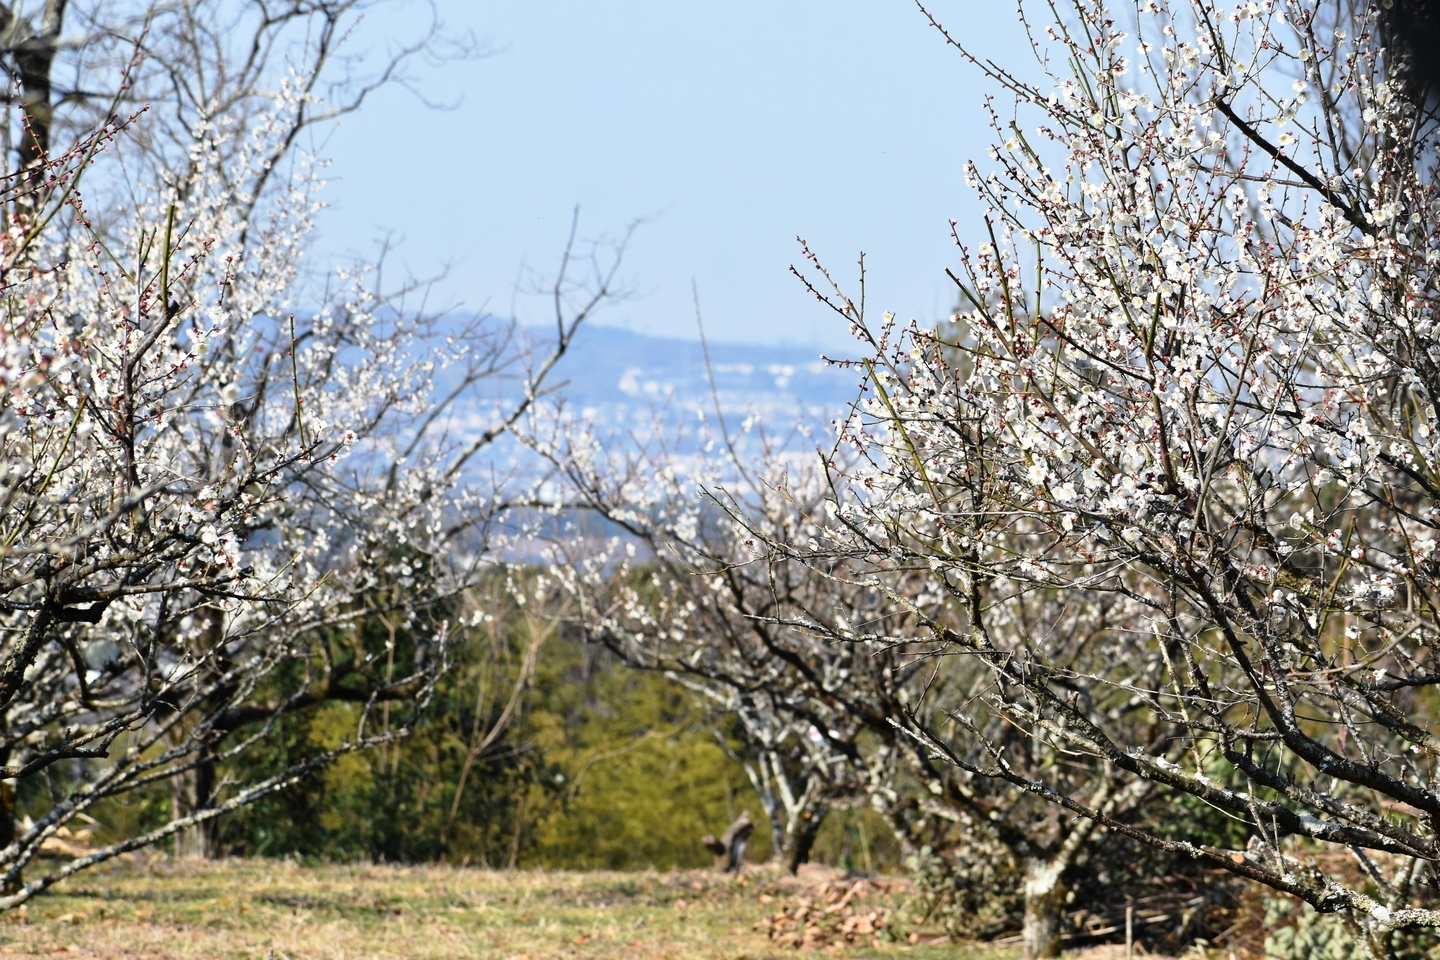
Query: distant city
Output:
(637,388)
(621,379)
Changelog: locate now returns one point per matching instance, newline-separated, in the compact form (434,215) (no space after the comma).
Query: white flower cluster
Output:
(1190,388)
(207,483)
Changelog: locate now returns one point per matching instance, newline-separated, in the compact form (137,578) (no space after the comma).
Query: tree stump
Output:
(729,850)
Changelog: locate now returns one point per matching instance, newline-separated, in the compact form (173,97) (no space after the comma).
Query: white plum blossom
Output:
(229,490)
(1191,387)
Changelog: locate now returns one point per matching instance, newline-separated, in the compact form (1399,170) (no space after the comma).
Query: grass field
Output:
(284,911)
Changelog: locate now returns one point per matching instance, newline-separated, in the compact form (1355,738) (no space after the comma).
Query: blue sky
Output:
(731,127)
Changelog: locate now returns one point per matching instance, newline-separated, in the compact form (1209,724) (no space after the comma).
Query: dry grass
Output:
(268,909)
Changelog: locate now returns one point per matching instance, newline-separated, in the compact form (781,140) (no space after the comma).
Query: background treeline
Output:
(539,750)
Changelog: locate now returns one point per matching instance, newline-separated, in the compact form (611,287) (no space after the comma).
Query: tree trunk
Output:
(9,821)
(34,59)
(801,840)
(779,838)
(1377,940)
(192,792)
(1044,901)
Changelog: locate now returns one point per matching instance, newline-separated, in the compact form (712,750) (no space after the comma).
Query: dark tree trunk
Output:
(34,60)
(9,821)
(802,840)
(191,793)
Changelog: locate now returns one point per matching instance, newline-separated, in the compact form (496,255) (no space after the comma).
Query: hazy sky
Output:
(731,127)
